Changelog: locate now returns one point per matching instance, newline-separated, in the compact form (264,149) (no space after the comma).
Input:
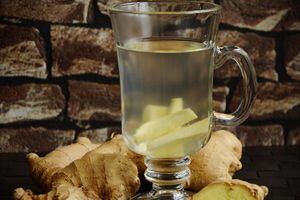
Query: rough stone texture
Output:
(267,15)
(94,101)
(294,137)
(274,100)
(260,49)
(78,50)
(100,135)
(31,139)
(219,98)
(292,58)
(30,102)
(21,52)
(266,135)
(60,11)
(292,21)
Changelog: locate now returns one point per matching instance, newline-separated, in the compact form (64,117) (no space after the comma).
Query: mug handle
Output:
(249,85)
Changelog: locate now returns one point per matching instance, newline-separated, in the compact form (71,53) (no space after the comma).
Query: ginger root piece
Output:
(66,178)
(160,126)
(117,145)
(152,112)
(63,192)
(21,194)
(232,190)
(176,105)
(108,176)
(218,160)
(42,169)
(95,176)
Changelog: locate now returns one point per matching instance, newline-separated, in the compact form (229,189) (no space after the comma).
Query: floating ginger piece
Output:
(156,128)
(152,112)
(175,105)
(177,141)
(200,128)
(180,142)
(232,190)
(170,150)
(178,148)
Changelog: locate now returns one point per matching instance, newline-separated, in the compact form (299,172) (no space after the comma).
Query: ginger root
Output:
(110,170)
(232,190)
(218,160)
(63,192)
(117,145)
(42,169)
(94,176)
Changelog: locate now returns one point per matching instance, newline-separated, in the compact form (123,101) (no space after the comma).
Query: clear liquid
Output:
(160,78)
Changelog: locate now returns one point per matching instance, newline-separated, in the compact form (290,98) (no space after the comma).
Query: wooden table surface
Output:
(276,167)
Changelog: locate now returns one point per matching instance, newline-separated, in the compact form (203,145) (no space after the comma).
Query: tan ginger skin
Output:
(96,175)
(217,161)
(42,169)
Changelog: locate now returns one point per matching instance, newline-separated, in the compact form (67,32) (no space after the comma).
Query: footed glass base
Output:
(168,177)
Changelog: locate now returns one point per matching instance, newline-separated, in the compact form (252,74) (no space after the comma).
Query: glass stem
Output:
(168,176)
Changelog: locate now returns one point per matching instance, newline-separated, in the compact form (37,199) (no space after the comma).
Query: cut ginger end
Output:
(231,190)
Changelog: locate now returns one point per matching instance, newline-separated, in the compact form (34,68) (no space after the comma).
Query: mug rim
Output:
(214,8)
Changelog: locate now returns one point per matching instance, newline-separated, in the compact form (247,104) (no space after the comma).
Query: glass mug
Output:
(167,54)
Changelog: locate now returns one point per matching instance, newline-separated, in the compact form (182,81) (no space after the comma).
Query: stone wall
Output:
(59,74)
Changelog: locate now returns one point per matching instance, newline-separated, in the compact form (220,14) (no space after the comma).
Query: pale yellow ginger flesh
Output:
(200,128)
(173,149)
(219,159)
(160,126)
(232,190)
(152,112)
(175,105)
(177,148)
(173,133)
(42,169)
